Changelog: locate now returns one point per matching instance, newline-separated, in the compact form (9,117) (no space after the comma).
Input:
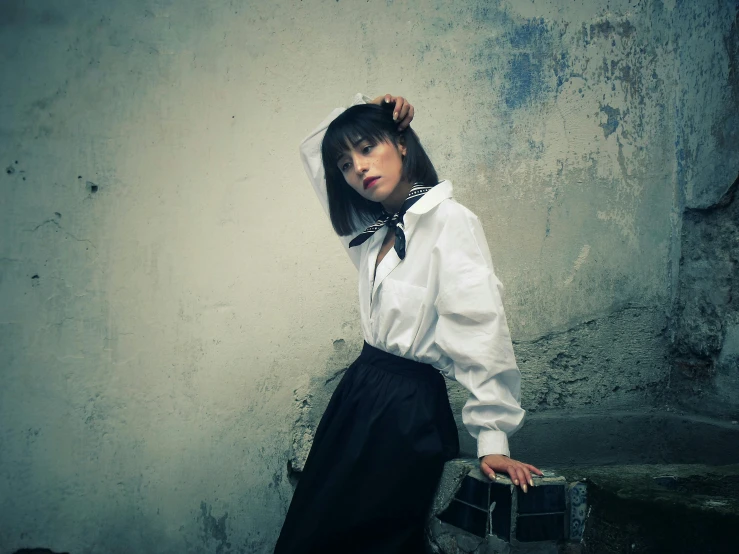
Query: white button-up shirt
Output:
(441,305)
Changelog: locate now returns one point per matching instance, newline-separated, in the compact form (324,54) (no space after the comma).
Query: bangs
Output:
(350,128)
(349,211)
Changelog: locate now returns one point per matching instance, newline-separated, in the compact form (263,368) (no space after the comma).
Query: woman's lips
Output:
(369,182)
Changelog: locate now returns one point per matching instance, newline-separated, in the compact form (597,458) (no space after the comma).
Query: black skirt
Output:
(375,463)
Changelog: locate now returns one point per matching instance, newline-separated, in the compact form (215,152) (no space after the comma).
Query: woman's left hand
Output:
(402,111)
(519,472)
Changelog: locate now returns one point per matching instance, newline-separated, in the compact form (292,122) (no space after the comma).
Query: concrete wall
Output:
(172,300)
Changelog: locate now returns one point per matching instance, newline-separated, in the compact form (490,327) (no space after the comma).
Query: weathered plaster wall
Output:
(705,322)
(706,350)
(172,300)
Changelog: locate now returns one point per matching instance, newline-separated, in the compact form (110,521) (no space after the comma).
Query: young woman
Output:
(430,306)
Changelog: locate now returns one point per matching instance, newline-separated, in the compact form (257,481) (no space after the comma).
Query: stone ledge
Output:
(645,509)
(640,509)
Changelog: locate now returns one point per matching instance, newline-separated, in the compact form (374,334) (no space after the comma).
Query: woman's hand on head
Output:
(402,111)
(519,472)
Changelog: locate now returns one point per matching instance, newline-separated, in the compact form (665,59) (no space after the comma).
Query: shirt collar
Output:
(432,198)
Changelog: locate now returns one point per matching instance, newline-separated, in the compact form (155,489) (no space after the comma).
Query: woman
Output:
(430,306)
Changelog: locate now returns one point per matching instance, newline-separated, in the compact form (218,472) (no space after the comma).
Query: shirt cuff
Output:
(492,441)
(360,98)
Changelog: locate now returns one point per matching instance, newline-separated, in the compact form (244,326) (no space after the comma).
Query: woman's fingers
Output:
(513,474)
(527,476)
(406,121)
(524,475)
(400,104)
(487,470)
(521,478)
(403,111)
(519,472)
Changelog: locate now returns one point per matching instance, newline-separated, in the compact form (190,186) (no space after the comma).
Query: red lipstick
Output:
(369,181)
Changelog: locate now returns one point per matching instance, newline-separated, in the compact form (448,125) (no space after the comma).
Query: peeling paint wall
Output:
(172,300)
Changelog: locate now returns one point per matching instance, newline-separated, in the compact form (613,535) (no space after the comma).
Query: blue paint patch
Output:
(562,69)
(612,123)
(585,35)
(531,54)
(606,73)
(531,33)
(536,148)
(525,81)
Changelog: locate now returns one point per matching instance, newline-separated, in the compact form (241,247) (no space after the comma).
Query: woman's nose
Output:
(361,164)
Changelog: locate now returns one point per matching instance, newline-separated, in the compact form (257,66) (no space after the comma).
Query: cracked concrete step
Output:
(602,509)
(661,508)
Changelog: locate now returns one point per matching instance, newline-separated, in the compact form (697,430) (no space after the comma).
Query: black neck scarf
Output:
(394,220)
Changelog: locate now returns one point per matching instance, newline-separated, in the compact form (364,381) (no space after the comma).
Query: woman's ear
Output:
(401,146)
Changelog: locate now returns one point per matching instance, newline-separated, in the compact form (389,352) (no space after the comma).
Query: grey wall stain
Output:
(611,123)
(606,29)
(214,528)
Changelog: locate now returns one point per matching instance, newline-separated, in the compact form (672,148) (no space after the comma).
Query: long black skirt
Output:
(375,463)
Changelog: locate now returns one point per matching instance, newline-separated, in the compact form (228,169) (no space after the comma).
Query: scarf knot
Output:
(393,221)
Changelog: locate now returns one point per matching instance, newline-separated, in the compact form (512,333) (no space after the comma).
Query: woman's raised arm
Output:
(310,154)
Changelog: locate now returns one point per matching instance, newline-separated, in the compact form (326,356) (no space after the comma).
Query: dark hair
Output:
(347,208)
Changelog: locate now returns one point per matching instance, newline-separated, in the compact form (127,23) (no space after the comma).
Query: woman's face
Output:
(374,170)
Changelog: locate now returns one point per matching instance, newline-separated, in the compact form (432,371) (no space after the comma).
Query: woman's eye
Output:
(345,166)
(366,149)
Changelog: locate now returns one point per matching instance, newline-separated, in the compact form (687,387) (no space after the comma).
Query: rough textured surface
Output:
(451,479)
(311,399)
(640,508)
(706,357)
(172,299)
(663,508)
(575,368)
